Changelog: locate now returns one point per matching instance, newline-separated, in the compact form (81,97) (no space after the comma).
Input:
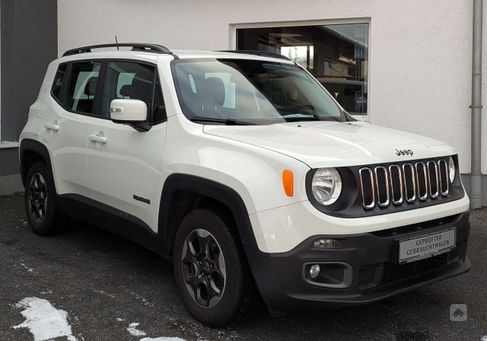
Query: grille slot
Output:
(382,184)
(443,177)
(422,180)
(433,179)
(407,182)
(396,184)
(367,187)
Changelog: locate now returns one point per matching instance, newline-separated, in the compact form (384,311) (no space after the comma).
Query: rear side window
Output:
(132,80)
(81,93)
(58,82)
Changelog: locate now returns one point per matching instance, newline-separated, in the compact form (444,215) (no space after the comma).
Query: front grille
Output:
(403,183)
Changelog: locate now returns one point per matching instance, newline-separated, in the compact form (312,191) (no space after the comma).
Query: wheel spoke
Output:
(189,258)
(41,212)
(203,241)
(202,294)
(212,250)
(216,283)
(194,245)
(36,182)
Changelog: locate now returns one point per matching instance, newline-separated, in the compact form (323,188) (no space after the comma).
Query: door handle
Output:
(52,126)
(98,138)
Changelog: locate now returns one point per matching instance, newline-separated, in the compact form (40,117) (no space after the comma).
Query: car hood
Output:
(334,144)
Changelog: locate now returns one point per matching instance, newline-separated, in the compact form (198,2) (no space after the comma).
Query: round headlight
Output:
(326,186)
(451,169)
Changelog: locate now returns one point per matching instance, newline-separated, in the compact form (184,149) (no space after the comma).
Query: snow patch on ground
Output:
(104,293)
(43,320)
(132,329)
(27,268)
(162,339)
(484,338)
(141,299)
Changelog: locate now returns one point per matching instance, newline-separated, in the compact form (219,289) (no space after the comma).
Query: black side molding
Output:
(110,219)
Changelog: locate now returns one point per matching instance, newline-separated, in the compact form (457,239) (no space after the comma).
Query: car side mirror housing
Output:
(130,111)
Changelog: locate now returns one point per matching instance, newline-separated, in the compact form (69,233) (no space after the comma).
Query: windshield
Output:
(240,91)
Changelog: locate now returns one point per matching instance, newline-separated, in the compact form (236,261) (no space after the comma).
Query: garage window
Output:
(337,55)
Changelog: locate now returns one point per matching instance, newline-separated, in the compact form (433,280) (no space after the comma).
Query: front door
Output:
(123,163)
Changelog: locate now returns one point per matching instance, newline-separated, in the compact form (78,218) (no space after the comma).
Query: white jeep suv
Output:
(241,168)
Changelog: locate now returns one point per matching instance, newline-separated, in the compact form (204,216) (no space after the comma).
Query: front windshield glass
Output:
(251,92)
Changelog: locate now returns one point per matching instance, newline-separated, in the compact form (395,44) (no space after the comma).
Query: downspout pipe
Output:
(476,107)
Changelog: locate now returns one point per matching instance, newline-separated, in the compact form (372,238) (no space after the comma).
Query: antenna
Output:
(116,42)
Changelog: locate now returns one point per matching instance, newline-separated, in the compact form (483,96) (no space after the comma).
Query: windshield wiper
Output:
(226,121)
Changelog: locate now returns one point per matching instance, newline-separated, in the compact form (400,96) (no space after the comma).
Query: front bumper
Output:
(374,274)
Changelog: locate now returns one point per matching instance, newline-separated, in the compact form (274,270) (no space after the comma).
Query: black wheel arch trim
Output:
(213,190)
(31,145)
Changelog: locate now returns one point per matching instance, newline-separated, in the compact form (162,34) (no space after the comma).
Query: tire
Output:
(40,200)
(207,227)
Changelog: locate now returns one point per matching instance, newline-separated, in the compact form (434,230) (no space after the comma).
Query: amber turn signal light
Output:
(288,182)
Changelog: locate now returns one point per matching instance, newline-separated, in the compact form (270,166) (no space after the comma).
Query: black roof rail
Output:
(135,47)
(259,53)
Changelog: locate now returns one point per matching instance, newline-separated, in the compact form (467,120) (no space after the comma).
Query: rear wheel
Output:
(40,200)
(210,268)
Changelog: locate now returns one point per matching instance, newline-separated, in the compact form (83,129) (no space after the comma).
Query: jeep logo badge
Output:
(400,152)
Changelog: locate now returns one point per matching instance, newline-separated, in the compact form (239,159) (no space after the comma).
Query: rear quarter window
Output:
(58,82)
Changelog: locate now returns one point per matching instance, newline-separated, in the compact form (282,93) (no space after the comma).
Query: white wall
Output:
(420,50)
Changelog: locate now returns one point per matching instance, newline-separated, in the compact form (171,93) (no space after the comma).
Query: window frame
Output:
(101,88)
(232,44)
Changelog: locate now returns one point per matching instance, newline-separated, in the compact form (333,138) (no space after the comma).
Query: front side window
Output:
(252,91)
(82,87)
(132,80)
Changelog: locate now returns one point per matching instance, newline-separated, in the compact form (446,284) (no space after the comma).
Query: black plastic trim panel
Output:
(280,279)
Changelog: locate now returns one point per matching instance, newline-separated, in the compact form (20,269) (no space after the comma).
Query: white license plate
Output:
(425,246)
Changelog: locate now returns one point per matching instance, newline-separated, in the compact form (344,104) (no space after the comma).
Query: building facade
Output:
(400,64)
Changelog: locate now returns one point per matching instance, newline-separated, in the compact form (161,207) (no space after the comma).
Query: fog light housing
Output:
(333,275)
(314,271)
(324,243)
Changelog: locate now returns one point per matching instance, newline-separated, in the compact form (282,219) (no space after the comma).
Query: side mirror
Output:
(130,111)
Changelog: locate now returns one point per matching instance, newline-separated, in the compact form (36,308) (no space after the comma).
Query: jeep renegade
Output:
(241,169)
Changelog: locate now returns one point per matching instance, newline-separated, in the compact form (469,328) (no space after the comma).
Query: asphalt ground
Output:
(105,283)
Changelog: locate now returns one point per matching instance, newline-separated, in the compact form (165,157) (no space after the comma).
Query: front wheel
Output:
(210,268)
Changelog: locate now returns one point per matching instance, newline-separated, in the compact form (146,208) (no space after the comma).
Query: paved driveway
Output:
(101,287)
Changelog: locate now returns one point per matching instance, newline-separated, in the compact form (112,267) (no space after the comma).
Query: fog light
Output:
(326,244)
(314,271)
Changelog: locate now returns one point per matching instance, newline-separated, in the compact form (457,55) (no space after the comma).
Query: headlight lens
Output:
(451,169)
(326,186)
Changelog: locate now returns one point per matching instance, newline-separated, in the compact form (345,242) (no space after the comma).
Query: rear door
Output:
(73,97)
(123,163)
